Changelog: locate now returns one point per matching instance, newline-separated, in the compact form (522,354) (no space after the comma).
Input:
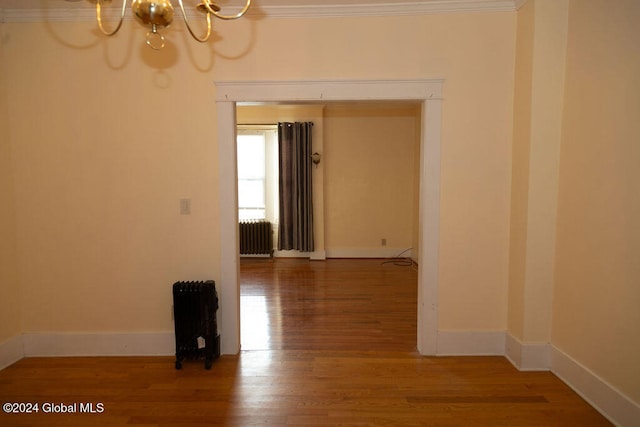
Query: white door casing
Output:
(428,92)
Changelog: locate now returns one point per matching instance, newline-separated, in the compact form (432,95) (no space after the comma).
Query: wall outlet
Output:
(383,241)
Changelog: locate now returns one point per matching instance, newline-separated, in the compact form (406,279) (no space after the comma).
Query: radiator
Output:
(194,310)
(256,238)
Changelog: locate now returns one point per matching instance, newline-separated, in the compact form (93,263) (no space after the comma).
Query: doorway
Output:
(365,192)
(428,92)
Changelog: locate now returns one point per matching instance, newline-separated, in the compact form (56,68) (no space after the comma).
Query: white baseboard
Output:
(11,351)
(470,343)
(608,400)
(527,356)
(99,344)
(381,252)
(291,254)
(313,256)
(318,256)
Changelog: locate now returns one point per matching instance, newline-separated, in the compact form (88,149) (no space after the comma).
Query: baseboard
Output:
(470,343)
(11,351)
(291,254)
(318,256)
(313,256)
(608,400)
(382,252)
(527,356)
(98,344)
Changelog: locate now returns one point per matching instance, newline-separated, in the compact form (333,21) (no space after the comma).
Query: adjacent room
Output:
(365,207)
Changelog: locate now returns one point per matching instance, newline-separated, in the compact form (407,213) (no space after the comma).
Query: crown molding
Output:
(389,9)
(45,15)
(519,3)
(298,11)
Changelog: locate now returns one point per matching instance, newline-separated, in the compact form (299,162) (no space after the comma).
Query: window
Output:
(257,169)
(251,177)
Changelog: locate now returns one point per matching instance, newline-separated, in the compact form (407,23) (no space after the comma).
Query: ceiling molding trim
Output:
(520,3)
(48,15)
(326,10)
(388,9)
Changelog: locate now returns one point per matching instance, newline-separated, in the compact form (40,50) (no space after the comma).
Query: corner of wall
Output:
(11,351)
(527,356)
(10,290)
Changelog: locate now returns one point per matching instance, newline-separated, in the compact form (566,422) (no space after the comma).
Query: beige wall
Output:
(99,234)
(369,152)
(538,103)
(595,311)
(10,325)
(101,158)
(574,199)
(520,168)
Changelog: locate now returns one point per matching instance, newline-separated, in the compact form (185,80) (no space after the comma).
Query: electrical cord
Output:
(399,260)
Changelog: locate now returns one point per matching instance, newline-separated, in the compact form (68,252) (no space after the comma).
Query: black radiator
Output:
(256,238)
(194,310)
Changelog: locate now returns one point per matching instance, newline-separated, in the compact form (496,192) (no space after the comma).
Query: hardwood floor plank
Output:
(336,304)
(300,388)
(357,371)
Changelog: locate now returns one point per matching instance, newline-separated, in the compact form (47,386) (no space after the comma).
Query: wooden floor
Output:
(331,356)
(294,304)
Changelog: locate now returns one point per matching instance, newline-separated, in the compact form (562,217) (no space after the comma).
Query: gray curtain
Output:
(295,186)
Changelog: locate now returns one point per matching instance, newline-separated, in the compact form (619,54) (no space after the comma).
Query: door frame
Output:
(428,92)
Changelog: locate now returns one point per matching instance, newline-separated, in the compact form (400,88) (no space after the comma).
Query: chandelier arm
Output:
(99,18)
(186,21)
(227,17)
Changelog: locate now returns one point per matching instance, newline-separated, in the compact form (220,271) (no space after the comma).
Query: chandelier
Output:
(158,14)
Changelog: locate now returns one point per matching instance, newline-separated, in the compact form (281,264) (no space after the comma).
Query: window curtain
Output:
(295,186)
